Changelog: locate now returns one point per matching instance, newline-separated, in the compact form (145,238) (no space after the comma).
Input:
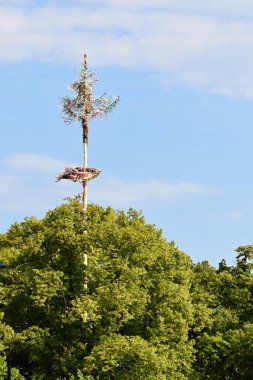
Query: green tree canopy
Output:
(224,343)
(140,310)
(133,319)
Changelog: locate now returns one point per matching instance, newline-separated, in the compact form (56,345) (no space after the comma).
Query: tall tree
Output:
(131,323)
(224,342)
(148,312)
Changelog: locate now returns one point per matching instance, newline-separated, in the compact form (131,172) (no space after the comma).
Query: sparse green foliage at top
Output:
(85,105)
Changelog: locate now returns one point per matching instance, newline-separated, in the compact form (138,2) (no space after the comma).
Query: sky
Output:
(179,144)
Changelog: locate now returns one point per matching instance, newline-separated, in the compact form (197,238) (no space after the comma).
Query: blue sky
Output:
(177,147)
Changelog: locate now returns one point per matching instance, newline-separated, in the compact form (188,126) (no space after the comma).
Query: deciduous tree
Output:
(131,323)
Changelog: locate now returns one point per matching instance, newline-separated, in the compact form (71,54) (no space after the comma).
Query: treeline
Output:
(141,310)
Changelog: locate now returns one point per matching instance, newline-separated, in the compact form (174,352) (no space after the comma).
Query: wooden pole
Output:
(85,127)
(85,156)
(85,165)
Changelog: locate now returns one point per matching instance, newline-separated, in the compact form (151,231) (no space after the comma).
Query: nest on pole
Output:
(78,174)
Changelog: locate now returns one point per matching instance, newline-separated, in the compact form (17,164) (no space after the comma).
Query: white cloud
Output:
(29,187)
(187,43)
(123,193)
(235,215)
(217,7)
(34,162)
(6,182)
(224,8)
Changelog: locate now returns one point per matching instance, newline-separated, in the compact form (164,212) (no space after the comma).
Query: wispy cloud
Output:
(33,190)
(34,162)
(6,183)
(120,192)
(204,45)
(27,185)
(216,7)
(235,215)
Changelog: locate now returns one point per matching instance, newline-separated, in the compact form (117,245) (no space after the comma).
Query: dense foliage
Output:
(140,310)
